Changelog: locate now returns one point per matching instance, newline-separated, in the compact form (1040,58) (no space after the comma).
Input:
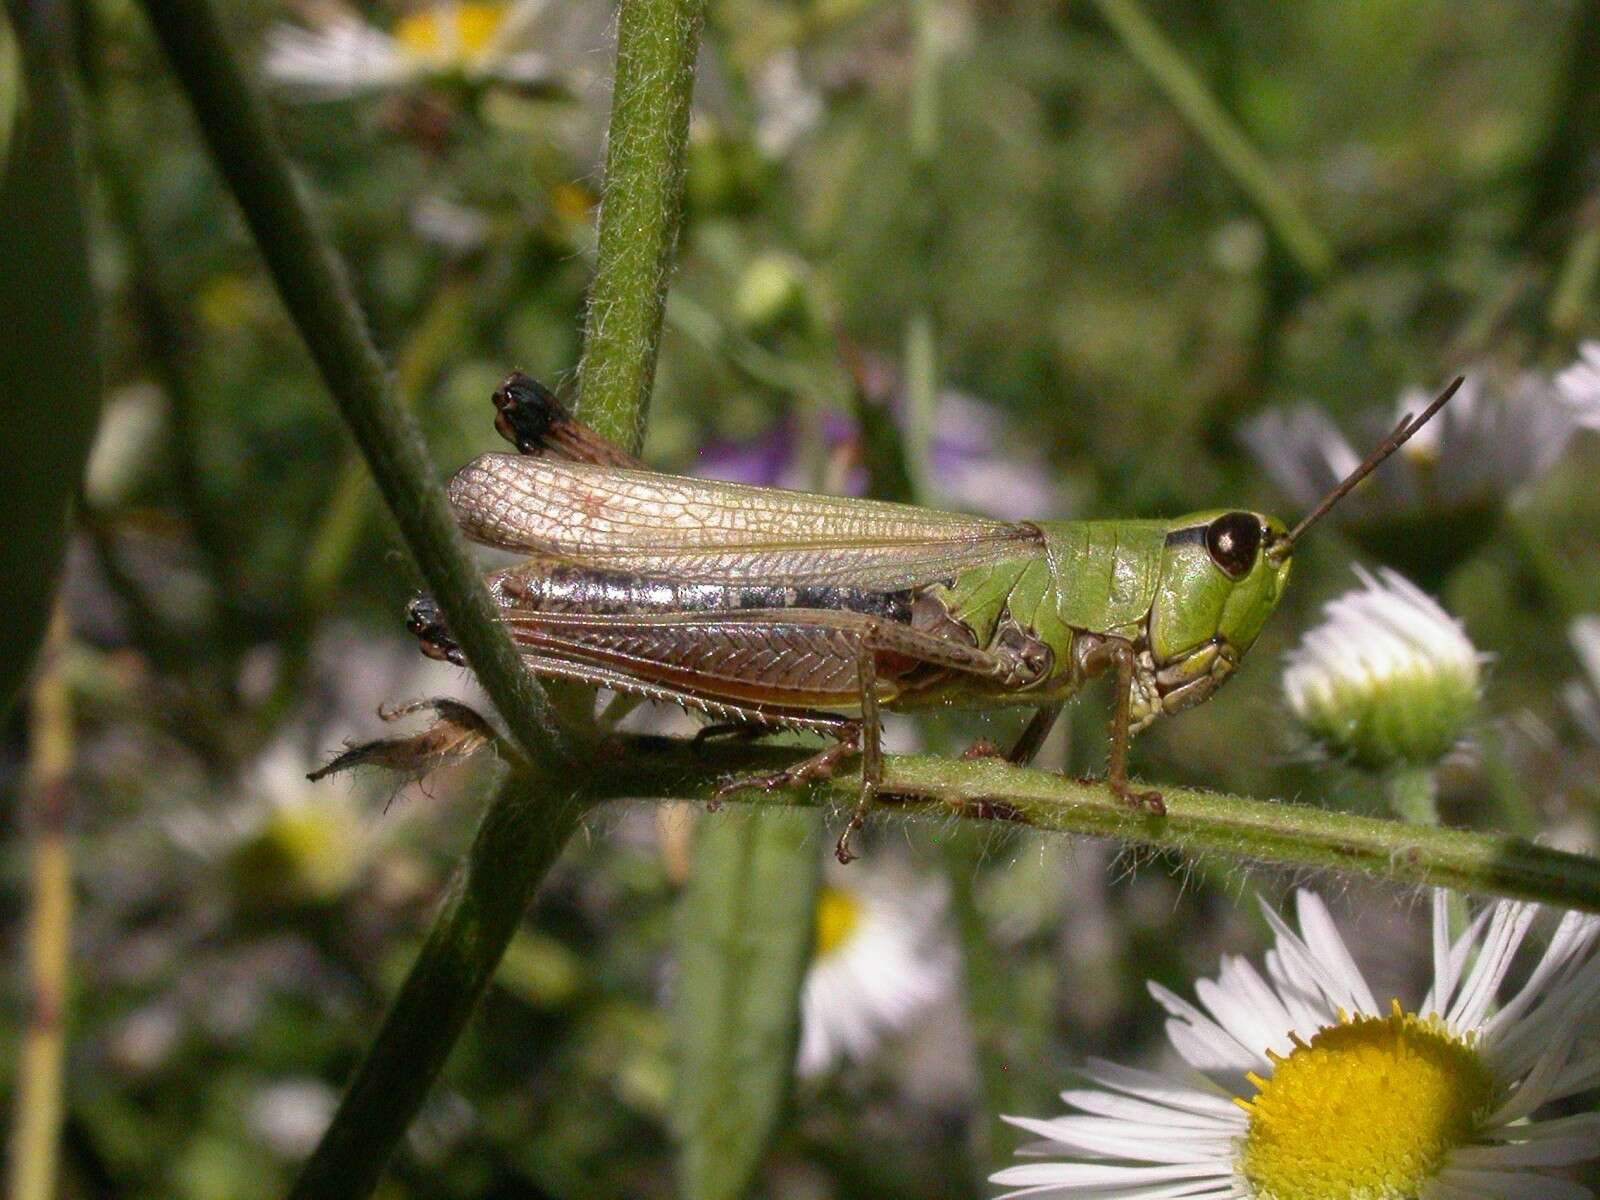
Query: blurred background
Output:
(1158,259)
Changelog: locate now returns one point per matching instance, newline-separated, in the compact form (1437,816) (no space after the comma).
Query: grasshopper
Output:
(768,609)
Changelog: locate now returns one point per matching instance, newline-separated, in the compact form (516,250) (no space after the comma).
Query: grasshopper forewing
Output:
(775,609)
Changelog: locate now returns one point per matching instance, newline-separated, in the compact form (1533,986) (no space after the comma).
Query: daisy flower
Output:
(883,956)
(1387,677)
(474,41)
(1440,494)
(1304,1087)
(1582,700)
(1580,385)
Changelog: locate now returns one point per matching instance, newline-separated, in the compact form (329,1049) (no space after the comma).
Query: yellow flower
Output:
(1305,1088)
(473,41)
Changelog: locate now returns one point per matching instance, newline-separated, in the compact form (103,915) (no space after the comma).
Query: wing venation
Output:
(709,531)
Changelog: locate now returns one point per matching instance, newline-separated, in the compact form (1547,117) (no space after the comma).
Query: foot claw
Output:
(982,748)
(1150,802)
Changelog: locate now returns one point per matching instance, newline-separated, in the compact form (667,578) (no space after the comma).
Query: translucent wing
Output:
(702,530)
(761,658)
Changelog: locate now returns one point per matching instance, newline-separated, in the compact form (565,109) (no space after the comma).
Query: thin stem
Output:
(350,503)
(522,834)
(1197,823)
(640,211)
(1414,795)
(1563,171)
(36,1133)
(315,290)
(1300,238)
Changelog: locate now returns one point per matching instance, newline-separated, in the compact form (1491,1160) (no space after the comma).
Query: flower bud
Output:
(771,292)
(1388,678)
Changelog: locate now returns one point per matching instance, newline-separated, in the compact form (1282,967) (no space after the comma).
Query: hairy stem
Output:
(1197,823)
(521,835)
(640,211)
(312,282)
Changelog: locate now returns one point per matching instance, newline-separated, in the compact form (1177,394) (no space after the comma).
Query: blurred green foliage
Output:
(1096,280)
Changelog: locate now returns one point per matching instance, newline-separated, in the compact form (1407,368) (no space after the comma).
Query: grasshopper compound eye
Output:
(1232,540)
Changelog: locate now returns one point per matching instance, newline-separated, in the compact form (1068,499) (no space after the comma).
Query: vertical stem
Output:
(36,1134)
(991,1011)
(921,335)
(640,211)
(1413,795)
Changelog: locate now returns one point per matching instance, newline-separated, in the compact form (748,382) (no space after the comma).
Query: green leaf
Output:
(745,928)
(49,367)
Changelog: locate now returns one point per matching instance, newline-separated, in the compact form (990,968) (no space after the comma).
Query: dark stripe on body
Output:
(1190,533)
(571,589)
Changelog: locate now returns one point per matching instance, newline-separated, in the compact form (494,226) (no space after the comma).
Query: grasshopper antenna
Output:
(1279,550)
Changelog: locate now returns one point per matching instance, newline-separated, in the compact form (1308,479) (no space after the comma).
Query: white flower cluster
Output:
(1490,440)
(1387,677)
(473,40)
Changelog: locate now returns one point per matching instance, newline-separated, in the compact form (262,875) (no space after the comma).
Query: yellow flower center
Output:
(838,914)
(449,35)
(1366,1110)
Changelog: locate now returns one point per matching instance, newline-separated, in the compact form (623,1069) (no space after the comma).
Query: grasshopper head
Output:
(1222,573)
(1219,583)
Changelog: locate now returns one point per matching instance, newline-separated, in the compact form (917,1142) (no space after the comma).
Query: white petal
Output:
(1243,1004)
(1202,1189)
(1438,998)
(1104,1138)
(1126,1108)
(1162,1089)
(1101,1175)
(1506,930)
(1534,1088)
(1552,1152)
(1322,936)
(1577,1076)
(1314,976)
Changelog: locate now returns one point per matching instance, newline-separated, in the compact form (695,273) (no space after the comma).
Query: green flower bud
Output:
(1387,679)
(770,292)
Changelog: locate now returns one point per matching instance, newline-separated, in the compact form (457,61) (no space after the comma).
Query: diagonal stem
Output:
(1299,236)
(313,284)
(521,835)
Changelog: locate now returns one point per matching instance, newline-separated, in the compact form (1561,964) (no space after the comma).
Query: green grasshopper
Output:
(769,609)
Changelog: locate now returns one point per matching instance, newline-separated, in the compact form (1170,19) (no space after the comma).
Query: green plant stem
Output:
(314,288)
(990,1003)
(1413,795)
(350,503)
(1562,173)
(1198,822)
(640,211)
(1301,239)
(36,1131)
(521,835)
